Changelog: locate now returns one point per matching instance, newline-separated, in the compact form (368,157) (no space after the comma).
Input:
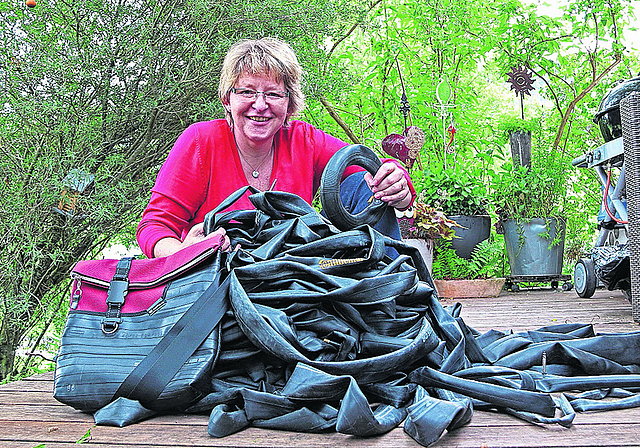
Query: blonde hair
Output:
(268,56)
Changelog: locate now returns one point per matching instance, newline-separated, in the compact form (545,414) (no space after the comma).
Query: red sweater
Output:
(203,168)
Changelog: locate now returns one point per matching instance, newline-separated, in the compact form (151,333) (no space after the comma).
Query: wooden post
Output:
(520,142)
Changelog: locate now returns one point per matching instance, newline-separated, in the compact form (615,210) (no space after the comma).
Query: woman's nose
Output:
(260,102)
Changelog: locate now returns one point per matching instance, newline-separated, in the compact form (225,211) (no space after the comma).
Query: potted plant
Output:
(462,196)
(479,276)
(529,204)
(422,224)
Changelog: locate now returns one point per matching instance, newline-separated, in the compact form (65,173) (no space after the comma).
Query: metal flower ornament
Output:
(521,79)
(406,146)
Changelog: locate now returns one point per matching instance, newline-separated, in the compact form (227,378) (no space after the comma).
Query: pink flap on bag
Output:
(147,277)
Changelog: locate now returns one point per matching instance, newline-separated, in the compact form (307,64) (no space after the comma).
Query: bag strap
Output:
(118,290)
(149,378)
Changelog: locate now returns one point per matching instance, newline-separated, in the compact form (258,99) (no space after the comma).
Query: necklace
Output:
(255,173)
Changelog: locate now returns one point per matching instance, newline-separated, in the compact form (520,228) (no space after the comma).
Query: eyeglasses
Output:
(270,97)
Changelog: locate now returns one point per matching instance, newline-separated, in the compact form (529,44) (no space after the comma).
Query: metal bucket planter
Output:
(475,229)
(535,247)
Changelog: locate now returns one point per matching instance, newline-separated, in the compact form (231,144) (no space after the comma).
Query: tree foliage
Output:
(412,46)
(104,87)
(575,55)
(570,54)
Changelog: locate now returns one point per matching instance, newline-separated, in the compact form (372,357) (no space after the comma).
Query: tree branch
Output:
(338,120)
(580,96)
(556,101)
(347,34)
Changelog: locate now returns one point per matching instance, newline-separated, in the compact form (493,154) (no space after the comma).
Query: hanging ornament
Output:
(451,132)
(405,107)
(406,147)
(443,91)
(415,141)
(521,80)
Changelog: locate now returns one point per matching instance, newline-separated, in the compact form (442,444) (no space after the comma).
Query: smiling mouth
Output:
(259,119)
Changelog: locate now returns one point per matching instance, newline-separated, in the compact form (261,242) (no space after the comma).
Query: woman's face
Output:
(257,118)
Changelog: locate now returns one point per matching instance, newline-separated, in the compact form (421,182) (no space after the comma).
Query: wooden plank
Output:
(608,311)
(22,444)
(31,386)
(541,436)
(196,436)
(48,412)
(43,412)
(110,445)
(45,376)
(28,398)
(192,436)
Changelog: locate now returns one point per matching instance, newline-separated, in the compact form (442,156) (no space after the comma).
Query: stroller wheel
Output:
(584,277)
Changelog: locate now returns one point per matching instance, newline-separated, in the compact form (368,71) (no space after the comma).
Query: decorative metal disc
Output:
(405,147)
(255,174)
(521,80)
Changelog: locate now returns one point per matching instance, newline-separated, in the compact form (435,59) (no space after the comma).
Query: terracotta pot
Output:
(458,289)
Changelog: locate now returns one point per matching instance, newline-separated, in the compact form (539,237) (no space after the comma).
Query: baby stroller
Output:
(608,263)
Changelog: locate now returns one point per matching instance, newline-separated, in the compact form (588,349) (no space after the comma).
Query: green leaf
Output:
(85,438)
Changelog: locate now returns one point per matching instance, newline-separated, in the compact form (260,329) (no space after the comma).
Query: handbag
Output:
(130,330)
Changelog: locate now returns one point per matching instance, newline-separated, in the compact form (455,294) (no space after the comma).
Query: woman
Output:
(256,145)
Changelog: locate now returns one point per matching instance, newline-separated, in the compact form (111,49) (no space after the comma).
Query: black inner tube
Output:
(332,205)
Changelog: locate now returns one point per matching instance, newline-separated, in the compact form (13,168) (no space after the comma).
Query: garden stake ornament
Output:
(405,108)
(522,82)
(405,147)
(443,95)
(451,133)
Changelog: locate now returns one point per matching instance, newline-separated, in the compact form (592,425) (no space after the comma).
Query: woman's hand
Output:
(196,234)
(390,185)
(169,246)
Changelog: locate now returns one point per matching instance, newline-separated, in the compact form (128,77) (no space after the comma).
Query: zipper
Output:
(77,295)
(150,284)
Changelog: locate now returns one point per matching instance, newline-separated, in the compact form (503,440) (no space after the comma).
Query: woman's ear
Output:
(227,113)
(287,118)
(226,105)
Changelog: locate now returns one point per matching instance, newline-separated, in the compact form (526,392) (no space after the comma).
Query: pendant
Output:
(255,174)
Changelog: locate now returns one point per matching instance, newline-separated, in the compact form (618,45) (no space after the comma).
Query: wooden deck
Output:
(30,417)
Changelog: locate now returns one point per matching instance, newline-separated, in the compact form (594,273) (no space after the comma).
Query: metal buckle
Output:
(110,325)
